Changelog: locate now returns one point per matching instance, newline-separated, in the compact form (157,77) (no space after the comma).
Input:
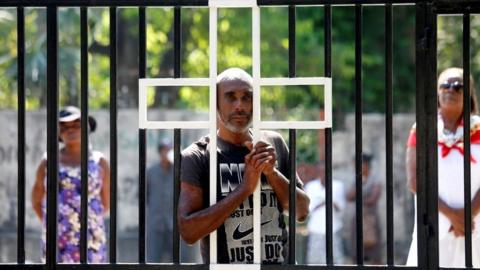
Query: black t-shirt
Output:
(235,236)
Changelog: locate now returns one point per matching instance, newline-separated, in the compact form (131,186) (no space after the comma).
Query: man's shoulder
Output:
(313,185)
(316,183)
(273,138)
(153,167)
(270,134)
(338,184)
(195,163)
(199,147)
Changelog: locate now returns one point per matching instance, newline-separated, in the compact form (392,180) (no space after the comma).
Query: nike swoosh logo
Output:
(237,234)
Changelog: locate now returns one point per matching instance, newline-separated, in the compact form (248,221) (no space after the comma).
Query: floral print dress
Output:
(69,214)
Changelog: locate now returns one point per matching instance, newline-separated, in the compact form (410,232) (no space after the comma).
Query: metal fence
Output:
(426,108)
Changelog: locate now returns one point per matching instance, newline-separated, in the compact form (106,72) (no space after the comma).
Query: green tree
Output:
(234,49)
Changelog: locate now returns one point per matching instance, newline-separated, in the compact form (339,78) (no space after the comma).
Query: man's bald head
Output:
(235,75)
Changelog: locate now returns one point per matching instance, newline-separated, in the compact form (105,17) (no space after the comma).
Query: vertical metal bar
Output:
(327,28)
(176,192)
(84,131)
(177,43)
(291,41)
(113,134)
(142,139)
(327,25)
(431,144)
(389,130)
(420,63)
(141,193)
(466,139)
(426,151)
(52,135)
(257,245)
(21,136)
(292,141)
(142,45)
(212,30)
(358,132)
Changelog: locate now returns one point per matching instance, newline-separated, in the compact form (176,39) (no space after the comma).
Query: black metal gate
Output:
(426,108)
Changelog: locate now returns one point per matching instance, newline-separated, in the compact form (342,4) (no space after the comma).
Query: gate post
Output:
(426,119)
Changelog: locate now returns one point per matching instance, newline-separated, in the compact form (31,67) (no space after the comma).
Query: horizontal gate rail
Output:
(192,3)
(444,6)
(200,267)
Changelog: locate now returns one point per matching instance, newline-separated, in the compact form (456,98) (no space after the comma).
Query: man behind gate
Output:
(241,164)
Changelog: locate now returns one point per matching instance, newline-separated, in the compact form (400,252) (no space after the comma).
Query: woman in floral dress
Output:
(69,194)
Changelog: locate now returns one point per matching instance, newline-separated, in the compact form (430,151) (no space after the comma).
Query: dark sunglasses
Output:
(457,86)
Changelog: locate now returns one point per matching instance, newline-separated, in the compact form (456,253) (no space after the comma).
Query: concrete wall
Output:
(343,153)
(127,212)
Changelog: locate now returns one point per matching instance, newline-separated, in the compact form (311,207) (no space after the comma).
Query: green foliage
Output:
(449,47)
(99,64)
(7,58)
(35,64)
(234,49)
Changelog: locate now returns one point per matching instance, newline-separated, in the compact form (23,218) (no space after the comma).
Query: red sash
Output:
(445,149)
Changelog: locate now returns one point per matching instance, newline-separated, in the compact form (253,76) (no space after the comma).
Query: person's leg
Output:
(476,247)
(316,249)
(190,254)
(153,246)
(166,247)
(338,256)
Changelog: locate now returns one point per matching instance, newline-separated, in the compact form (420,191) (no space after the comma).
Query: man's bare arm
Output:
(411,164)
(105,192)
(280,185)
(195,222)
(38,190)
(476,204)
(374,195)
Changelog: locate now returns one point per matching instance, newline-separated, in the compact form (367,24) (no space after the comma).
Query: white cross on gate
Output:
(257,123)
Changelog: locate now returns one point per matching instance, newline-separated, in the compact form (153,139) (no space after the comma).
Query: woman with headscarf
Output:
(451,231)
(69,187)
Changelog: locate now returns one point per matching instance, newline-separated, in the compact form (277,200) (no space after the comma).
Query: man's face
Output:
(365,171)
(163,152)
(235,105)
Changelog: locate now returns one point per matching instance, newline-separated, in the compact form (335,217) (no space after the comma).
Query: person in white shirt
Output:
(315,189)
(450,158)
